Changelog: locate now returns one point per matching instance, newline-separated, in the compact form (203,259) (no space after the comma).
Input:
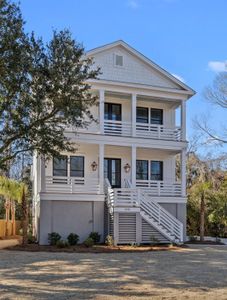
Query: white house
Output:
(121,179)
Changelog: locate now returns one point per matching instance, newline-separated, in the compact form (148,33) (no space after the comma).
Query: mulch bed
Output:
(95,249)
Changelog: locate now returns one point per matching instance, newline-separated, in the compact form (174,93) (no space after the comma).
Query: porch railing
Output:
(160,188)
(57,184)
(160,132)
(117,128)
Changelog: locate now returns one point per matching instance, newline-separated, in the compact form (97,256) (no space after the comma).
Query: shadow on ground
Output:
(200,271)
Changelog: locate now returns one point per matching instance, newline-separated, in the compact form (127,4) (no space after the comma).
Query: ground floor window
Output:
(60,166)
(143,173)
(65,166)
(76,166)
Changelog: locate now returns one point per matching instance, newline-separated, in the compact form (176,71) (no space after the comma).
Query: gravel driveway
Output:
(196,273)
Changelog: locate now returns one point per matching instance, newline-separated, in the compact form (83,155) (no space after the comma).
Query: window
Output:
(60,166)
(156,116)
(156,170)
(142,169)
(112,112)
(142,115)
(76,166)
(119,60)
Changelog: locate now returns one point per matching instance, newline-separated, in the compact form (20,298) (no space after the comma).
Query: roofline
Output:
(142,57)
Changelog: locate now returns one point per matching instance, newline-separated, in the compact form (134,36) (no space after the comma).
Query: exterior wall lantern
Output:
(127,168)
(94,166)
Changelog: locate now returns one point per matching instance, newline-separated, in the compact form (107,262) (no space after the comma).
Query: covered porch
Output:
(84,171)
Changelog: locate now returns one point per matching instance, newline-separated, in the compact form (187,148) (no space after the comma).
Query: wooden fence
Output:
(9,227)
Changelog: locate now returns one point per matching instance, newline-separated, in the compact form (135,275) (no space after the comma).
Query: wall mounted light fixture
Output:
(127,168)
(94,166)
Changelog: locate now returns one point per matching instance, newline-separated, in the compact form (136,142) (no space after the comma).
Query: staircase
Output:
(152,212)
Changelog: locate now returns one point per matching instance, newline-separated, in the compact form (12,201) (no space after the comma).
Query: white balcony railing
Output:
(160,188)
(57,184)
(119,128)
(158,132)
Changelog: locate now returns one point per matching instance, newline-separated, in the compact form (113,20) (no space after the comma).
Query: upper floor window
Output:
(112,112)
(156,172)
(118,60)
(60,166)
(142,115)
(76,166)
(152,115)
(156,116)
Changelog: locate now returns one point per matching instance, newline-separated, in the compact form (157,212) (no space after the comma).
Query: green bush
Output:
(73,239)
(89,242)
(53,238)
(109,240)
(95,236)
(31,239)
(62,244)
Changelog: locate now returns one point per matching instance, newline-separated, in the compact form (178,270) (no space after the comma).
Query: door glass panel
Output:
(112,171)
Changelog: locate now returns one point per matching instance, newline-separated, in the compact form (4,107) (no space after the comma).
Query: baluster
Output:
(158,131)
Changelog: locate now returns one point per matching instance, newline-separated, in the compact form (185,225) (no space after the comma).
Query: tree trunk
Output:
(7,206)
(13,217)
(25,218)
(202,217)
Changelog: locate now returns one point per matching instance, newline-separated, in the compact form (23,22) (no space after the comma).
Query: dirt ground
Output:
(198,272)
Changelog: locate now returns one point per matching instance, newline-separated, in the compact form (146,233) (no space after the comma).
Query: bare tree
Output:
(215,94)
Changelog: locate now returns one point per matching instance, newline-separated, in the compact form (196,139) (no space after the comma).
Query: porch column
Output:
(133,114)
(133,166)
(183,172)
(101,167)
(42,174)
(183,120)
(101,110)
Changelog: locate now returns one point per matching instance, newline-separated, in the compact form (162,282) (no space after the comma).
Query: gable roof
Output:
(142,58)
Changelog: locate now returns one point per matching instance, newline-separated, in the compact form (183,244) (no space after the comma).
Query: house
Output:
(121,180)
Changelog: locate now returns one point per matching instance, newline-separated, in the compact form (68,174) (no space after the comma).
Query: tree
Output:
(216,95)
(43,89)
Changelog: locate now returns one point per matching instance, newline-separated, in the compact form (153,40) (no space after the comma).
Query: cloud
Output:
(179,77)
(217,66)
(133,4)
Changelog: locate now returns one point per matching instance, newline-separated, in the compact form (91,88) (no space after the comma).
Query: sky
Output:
(188,38)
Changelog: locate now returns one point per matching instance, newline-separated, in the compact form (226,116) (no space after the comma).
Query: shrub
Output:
(53,238)
(62,244)
(89,242)
(109,240)
(73,239)
(31,239)
(95,236)
(192,238)
(154,240)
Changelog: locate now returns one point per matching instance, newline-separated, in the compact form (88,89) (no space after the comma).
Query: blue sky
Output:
(185,37)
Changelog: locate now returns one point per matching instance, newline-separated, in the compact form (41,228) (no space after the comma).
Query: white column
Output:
(183,173)
(133,114)
(101,110)
(101,167)
(42,174)
(183,119)
(133,166)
